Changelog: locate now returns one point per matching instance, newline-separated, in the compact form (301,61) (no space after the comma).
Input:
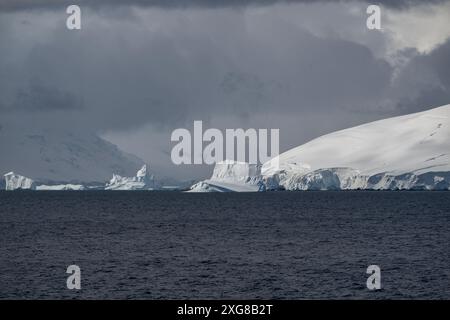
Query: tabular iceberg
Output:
(232,176)
(61,187)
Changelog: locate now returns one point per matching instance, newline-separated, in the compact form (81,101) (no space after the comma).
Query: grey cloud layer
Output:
(45,4)
(129,69)
(187,71)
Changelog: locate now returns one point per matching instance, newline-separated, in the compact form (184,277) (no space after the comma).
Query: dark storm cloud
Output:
(424,82)
(173,77)
(120,74)
(158,70)
(37,98)
(9,5)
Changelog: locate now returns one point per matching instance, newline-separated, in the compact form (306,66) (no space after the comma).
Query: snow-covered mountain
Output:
(143,180)
(58,155)
(405,152)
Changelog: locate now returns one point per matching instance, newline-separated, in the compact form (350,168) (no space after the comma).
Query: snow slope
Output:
(51,155)
(406,152)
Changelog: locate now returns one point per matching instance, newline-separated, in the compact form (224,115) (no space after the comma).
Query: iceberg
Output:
(17,182)
(234,176)
(61,187)
(142,181)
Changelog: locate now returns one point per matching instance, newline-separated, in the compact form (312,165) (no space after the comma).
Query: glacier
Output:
(410,152)
(17,182)
(143,180)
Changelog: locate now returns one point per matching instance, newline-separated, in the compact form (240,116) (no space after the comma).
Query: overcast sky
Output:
(137,71)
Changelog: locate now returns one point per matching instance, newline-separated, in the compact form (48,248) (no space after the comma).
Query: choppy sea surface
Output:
(171,245)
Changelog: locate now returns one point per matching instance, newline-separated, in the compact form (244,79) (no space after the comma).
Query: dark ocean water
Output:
(287,245)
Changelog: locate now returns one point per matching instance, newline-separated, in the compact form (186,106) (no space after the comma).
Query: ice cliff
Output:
(232,176)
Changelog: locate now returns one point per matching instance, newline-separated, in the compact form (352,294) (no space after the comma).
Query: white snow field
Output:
(405,152)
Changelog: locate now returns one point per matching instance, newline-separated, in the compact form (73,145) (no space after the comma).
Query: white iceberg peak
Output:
(142,181)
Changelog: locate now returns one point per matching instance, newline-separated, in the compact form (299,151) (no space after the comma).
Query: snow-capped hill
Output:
(142,181)
(231,175)
(405,152)
(17,182)
(58,155)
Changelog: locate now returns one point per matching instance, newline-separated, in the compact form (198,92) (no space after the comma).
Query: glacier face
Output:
(349,179)
(143,180)
(17,182)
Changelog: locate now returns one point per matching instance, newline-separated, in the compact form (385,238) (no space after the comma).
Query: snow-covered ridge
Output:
(406,152)
(410,152)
